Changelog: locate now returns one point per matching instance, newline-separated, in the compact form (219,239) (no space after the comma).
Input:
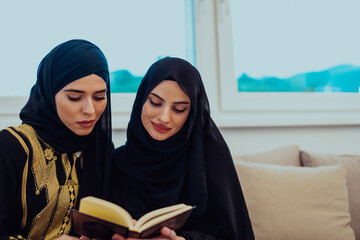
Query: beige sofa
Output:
(292,194)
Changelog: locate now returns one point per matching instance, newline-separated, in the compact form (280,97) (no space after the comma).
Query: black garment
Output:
(38,185)
(194,166)
(66,63)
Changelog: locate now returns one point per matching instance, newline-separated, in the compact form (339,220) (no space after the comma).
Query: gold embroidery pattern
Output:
(17,237)
(66,220)
(24,177)
(50,221)
(49,154)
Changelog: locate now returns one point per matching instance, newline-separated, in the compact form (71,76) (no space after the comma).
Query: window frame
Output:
(270,108)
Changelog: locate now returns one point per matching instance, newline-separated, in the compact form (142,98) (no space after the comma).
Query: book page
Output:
(162,217)
(105,210)
(150,215)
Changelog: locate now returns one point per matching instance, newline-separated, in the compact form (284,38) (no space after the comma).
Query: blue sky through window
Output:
(293,45)
(132,34)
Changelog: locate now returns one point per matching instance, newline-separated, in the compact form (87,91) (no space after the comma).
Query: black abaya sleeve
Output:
(12,162)
(193,235)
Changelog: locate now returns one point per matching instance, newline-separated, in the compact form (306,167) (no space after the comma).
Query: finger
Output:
(67,237)
(118,237)
(167,232)
(84,238)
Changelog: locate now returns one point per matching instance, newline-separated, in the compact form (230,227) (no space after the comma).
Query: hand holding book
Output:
(166,234)
(101,219)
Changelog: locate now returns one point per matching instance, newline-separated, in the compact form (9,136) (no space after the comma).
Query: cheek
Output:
(65,109)
(146,112)
(181,121)
(143,115)
(100,107)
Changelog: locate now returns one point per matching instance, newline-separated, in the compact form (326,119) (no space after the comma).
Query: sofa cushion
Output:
(287,156)
(296,203)
(352,164)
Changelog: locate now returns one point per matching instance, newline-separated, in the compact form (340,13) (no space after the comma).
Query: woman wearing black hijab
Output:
(62,149)
(175,153)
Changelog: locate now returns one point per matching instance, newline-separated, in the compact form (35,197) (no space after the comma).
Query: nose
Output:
(165,115)
(88,107)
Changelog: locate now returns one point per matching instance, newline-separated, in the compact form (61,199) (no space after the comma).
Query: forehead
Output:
(170,90)
(88,82)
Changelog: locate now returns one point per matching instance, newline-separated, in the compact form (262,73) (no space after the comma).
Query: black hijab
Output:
(194,166)
(64,64)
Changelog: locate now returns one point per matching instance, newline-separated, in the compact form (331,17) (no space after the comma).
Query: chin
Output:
(83,132)
(159,137)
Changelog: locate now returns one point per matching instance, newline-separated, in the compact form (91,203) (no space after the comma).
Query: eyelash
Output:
(78,98)
(154,103)
(73,99)
(179,111)
(99,98)
(159,105)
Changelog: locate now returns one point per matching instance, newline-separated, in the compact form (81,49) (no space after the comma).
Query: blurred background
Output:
(279,72)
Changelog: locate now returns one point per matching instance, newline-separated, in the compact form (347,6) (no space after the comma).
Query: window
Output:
(228,40)
(281,39)
(296,46)
(132,35)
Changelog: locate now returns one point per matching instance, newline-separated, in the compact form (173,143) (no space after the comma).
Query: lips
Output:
(86,124)
(160,128)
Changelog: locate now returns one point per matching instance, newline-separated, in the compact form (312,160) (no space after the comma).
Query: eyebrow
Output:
(80,91)
(180,102)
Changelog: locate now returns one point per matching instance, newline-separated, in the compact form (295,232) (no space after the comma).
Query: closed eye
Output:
(179,110)
(99,98)
(74,99)
(154,103)
(100,95)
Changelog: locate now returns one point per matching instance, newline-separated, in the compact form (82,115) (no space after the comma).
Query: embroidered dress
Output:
(42,178)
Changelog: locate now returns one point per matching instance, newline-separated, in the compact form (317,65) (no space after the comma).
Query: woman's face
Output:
(81,103)
(165,110)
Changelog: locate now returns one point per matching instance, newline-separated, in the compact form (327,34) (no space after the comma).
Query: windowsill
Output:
(121,108)
(285,119)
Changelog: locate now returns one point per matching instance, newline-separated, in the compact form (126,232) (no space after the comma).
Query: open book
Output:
(100,219)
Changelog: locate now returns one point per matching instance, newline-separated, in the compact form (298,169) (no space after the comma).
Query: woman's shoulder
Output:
(119,150)
(10,136)
(19,133)
(17,137)
(14,146)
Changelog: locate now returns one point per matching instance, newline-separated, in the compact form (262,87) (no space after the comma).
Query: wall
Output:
(326,139)
(337,140)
